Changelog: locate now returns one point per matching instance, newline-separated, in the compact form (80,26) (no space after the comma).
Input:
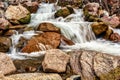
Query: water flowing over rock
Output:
(6,64)
(5,44)
(35,76)
(92,65)
(55,61)
(44,41)
(17,14)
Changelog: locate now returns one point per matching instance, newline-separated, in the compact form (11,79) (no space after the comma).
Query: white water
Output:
(72,27)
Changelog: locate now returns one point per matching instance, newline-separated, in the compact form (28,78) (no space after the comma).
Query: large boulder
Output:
(4,24)
(55,61)
(64,12)
(6,64)
(31,6)
(91,65)
(5,44)
(17,14)
(44,41)
(99,28)
(48,27)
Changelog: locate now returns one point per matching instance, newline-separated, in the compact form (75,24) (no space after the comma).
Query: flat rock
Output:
(55,61)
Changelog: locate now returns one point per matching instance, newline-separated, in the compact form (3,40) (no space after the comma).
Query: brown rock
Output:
(55,61)
(90,65)
(99,28)
(44,41)
(65,41)
(115,37)
(48,27)
(31,6)
(6,64)
(108,33)
(4,24)
(5,44)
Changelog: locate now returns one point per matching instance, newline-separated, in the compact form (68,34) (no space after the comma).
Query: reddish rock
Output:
(48,27)
(65,41)
(113,21)
(5,44)
(4,24)
(115,37)
(55,61)
(6,64)
(31,6)
(42,42)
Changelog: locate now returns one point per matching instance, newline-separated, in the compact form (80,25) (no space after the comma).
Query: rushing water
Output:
(73,27)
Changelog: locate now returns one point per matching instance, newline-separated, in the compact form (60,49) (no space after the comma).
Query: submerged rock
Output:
(55,61)
(48,27)
(6,64)
(91,65)
(35,76)
(64,12)
(5,44)
(17,14)
(4,24)
(44,41)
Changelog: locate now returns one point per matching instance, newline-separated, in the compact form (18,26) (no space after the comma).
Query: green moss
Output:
(25,20)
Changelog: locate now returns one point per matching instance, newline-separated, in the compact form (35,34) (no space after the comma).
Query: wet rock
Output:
(113,21)
(115,37)
(64,12)
(74,77)
(4,24)
(16,2)
(6,64)
(91,65)
(108,34)
(8,33)
(5,44)
(65,41)
(31,6)
(44,41)
(35,76)
(17,14)
(48,27)
(74,3)
(99,28)
(55,61)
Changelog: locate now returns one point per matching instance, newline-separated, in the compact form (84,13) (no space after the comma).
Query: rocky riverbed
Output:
(59,40)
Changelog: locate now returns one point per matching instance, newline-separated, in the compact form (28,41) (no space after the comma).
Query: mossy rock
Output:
(25,20)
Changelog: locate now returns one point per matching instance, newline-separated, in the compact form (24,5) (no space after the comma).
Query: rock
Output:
(112,21)
(4,24)
(74,3)
(108,34)
(16,2)
(115,37)
(65,41)
(6,64)
(17,14)
(5,44)
(55,61)
(64,12)
(74,77)
(99,28)
(91,65)
(44,41)
(8,33)
(48,27)
(35,76)
(31,6)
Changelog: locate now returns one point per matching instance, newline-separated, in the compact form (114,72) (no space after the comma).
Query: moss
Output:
(25,20)
(112,75)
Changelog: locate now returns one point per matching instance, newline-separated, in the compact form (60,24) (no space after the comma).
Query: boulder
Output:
(5,44)
(64,12)
(4,24)
(44,41)
(115,37)
(99,28)
(6,64)
(35,76)
(112,21)
(91,65)
(17,14)
(31,6)
(55,60)
(48,27)
(65,41)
